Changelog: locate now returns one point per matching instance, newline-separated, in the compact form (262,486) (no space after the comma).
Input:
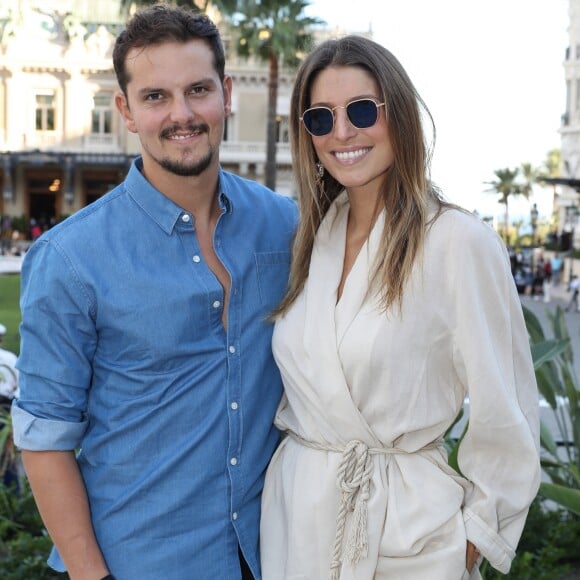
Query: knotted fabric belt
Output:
(353,480)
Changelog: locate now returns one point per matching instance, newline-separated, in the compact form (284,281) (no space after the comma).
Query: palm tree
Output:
(553,163)
(518,224)
(530,175)
(277,32)
(506,185)
(127,5)
(552,169)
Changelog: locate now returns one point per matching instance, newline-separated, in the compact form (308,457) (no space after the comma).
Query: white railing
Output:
(42,140)
(100,142)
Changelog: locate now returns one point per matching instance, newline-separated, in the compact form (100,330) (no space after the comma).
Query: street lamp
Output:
(575,215)
(534,221)
(572,213)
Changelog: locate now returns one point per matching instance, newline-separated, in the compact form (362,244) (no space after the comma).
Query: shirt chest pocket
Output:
(272,272)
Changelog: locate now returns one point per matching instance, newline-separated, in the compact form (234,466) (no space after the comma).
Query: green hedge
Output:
(10,310)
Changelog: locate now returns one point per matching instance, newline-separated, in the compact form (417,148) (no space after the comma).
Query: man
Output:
(574,287)
(556,264)
(145,335)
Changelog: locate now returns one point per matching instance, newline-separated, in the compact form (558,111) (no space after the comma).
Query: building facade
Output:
(568,201)
(62,141)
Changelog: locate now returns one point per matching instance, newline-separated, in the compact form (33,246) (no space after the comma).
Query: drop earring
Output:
(319,175)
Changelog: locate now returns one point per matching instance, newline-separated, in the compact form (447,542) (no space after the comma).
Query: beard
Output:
(188,168)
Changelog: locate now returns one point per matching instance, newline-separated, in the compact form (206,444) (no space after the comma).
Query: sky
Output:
(492,75)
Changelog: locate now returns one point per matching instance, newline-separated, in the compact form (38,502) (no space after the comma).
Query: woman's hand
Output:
(471,556)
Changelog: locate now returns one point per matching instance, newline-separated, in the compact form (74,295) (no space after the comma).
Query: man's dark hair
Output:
(163,23)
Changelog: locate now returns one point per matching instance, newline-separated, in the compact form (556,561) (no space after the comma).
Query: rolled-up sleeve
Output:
(58,340)
(34,434)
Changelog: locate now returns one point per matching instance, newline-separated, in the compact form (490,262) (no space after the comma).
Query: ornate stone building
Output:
(568,200)
(62,142)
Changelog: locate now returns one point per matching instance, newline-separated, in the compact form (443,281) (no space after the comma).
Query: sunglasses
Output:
(362,113)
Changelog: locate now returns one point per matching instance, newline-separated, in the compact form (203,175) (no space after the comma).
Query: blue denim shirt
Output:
(124,357)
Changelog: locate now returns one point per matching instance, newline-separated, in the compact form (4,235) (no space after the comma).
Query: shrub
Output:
(549,547)
(24,541)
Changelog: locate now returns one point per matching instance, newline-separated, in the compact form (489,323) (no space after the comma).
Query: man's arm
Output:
(62,501)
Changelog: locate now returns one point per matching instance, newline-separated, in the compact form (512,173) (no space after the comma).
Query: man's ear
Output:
(227,84)
(123,107)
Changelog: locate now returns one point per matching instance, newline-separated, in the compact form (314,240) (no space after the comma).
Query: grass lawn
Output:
(10,310)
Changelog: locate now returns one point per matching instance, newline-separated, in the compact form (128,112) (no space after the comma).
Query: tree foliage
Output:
(506,186)
(559,386)
(276,32)
(127,6)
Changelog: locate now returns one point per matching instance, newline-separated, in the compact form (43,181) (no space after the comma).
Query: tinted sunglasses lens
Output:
(362,114)
(318,121)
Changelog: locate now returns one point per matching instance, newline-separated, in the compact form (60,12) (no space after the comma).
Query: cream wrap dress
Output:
(380,390)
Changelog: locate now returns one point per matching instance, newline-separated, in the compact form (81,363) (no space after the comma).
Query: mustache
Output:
(174,129)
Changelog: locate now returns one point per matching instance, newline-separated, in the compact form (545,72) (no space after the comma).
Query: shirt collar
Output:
(160,208)
(226,193)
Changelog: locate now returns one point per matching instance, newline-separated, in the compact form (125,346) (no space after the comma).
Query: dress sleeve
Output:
(500,452)
(58,340)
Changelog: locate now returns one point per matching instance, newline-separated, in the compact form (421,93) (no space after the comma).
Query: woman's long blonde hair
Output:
(407,191)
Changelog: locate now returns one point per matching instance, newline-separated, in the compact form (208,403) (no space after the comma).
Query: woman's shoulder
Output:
(464,231)
(454,219)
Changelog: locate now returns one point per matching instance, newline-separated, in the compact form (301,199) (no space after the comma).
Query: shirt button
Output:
(185,218)
(232,349)
(196,259)
(216,304)
(233,461)
(235,516)
(234,406)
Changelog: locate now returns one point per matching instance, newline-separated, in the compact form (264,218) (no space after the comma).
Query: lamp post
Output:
(575,215)
(534,222)
(572,213)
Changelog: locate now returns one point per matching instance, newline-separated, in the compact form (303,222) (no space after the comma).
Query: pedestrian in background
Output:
(547,285)
(400,306)
(146,342)
(538,281)
(574,288)
(556,264)
(5,236)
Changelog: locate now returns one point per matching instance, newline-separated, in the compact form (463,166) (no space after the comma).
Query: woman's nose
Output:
(343,128)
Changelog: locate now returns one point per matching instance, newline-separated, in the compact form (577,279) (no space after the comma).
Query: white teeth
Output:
(181,137)
(347,155)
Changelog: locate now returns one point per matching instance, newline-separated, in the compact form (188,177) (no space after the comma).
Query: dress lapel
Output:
(355,289)
(320,325)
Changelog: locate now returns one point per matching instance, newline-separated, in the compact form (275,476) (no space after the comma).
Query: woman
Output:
(399,307)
